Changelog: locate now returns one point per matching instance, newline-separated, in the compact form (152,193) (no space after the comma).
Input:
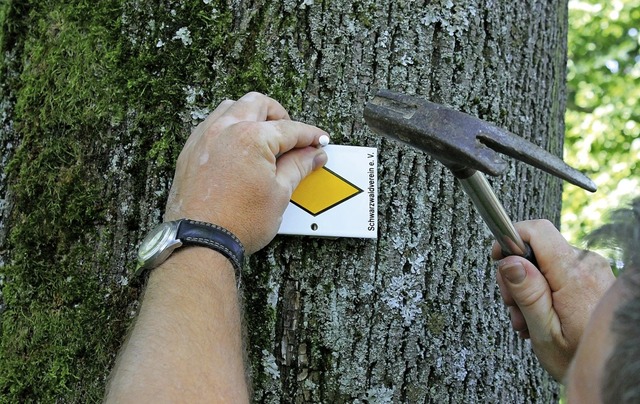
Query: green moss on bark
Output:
(57,333)
(103,95)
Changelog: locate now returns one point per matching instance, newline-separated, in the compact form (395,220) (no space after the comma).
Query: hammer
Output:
(467,146)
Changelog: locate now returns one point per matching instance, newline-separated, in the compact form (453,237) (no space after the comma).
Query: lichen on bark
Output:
(97,100)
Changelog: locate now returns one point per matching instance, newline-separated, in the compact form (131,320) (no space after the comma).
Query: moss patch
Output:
(102,96)
(57,332)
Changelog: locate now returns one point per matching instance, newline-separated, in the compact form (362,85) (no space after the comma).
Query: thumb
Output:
(296,164)
(530,291)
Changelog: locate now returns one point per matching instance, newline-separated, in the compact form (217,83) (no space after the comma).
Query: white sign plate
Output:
(338,200)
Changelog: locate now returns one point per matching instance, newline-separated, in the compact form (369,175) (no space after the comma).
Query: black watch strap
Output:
(192,232)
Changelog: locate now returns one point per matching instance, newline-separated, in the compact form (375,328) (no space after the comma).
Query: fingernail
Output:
(513,272)
(320,159)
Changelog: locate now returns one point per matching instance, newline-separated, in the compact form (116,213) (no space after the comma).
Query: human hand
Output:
(240,166)
(551,304)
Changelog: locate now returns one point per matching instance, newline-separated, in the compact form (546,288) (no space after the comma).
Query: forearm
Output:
(186,344)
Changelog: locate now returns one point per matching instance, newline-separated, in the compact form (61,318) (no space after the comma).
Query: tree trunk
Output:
(97,100)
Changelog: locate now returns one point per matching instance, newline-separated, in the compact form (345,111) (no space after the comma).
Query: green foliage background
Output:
(603,113)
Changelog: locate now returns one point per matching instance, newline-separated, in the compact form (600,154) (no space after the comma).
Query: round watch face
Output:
(153,241)
(158,244)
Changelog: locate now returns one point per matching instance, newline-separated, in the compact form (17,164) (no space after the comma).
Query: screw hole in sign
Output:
(314,226)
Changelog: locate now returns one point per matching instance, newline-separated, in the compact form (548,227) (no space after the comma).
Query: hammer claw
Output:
(538,157)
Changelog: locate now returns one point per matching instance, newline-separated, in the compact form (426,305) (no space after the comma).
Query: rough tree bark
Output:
(97,100)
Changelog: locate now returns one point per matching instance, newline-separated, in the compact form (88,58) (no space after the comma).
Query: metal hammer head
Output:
(460,141)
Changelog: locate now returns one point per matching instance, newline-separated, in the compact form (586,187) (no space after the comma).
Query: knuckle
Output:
(220,124)
(530,296)
(544,225)
(227,103)
(254,95)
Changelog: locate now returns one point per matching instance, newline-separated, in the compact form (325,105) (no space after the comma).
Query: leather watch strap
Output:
(192,232)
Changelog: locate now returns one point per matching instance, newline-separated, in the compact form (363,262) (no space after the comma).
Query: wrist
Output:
(234,220)
(195,267)
(169,237)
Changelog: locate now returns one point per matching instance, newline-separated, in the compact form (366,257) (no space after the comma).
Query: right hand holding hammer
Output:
(551,304)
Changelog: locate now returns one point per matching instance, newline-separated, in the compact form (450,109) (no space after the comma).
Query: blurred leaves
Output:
(603,114)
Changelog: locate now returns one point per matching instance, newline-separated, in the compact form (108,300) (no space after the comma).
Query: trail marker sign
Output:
(339,200)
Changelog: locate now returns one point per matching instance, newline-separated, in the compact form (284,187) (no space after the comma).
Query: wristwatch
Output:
(165,238)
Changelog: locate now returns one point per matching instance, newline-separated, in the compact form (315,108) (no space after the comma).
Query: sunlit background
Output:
(603,110)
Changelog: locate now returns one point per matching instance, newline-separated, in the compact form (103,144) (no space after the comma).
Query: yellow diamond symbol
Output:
(322,190)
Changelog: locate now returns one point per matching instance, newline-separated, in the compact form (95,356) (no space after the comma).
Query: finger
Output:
(496,251)
(293,166)
(518,322)
(532,295)
(504,291)
(253,107)
(222,108)
(288,135)
(556,257)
